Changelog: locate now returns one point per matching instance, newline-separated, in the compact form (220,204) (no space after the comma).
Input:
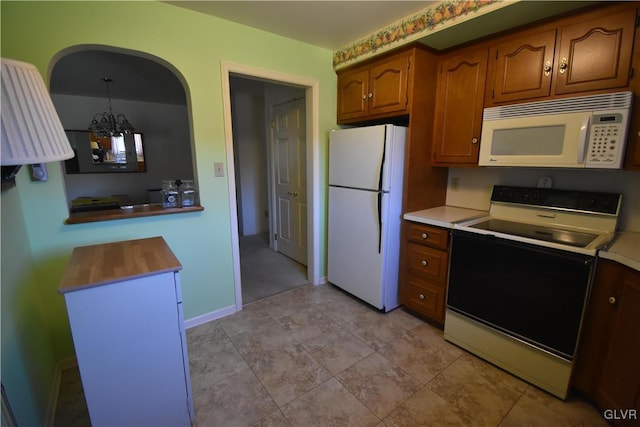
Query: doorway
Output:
(308,156)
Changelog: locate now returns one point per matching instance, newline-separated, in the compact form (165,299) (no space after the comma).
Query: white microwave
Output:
(580,132)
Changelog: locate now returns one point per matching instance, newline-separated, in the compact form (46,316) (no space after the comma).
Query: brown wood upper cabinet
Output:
(378,89)
(458,111)
(587,53)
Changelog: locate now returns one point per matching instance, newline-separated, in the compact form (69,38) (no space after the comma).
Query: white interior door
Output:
(289,148)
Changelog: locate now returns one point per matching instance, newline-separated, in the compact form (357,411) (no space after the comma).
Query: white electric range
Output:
(519,279)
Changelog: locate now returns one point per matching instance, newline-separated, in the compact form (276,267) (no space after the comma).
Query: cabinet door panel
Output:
(459,104)
(597,54)
(130,353)
(620,382)
(388,85)
(596,329)
(353,88)
(523,67)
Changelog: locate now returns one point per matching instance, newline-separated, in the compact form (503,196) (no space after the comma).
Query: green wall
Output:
(28,359)
(194,44)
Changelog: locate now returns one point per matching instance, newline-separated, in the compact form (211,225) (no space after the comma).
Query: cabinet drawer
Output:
(427,235)
(424,298)
(423,261)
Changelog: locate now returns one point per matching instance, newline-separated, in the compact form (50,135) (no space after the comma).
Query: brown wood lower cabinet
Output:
(608,358)
(423,269)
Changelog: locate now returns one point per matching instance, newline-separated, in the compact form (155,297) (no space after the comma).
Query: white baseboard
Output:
(67,363)
(205,318)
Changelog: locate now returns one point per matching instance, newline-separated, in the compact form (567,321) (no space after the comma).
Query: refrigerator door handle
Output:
(384,155)
(379,222)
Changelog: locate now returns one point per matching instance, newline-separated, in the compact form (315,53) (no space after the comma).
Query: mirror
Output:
(94,154)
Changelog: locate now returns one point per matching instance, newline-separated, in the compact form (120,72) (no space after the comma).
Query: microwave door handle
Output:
(584,134)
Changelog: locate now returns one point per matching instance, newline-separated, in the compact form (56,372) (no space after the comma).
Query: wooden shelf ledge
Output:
(137,211)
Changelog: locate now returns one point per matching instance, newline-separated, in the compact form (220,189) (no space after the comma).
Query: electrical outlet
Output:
(38,172)
(218,167)
(455,183)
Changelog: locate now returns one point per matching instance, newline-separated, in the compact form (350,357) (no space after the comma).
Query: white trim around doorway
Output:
(313,164)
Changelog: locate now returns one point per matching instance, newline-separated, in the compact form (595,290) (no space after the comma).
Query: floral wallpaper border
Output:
(423,22)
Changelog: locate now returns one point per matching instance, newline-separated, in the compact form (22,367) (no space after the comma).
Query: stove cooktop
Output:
(538,232)
(576,221)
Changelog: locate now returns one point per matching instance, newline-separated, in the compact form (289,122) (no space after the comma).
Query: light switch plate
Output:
(218,168)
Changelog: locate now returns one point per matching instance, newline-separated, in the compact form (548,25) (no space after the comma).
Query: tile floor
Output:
(313,356)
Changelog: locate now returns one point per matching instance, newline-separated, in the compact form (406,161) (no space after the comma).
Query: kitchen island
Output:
(125,310)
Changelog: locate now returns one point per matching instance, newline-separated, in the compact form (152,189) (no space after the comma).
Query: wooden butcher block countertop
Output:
(107,263)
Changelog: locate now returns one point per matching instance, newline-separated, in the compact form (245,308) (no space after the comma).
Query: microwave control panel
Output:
(606,141)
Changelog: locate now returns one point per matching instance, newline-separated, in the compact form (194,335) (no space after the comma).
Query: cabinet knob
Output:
(547,68)
(424,263)
(474,141)
(364,97)
(424,235)
(563,65)
(421,297)
(612,300)
(370,95)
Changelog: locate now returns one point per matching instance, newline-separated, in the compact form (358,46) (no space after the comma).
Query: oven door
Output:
(532,293)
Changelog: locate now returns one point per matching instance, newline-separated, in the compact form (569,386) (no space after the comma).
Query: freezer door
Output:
(356,157)
(355,262)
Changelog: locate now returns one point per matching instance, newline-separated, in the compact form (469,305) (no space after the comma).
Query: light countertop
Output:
(624,249)
(444,216)
(107,263)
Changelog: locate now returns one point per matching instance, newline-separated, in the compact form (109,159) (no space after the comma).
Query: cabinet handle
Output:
(563,65)
(424,263)
(474,141)
(547,68)
(421,297)
(424,235)
(612,300)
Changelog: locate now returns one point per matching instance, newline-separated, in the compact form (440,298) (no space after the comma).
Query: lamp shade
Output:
(31,129)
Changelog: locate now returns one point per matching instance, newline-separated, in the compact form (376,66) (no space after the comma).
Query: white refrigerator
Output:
(365,203)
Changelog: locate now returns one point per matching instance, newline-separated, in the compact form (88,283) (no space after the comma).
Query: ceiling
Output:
(329,24)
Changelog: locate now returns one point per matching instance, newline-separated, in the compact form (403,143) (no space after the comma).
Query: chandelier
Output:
(106,124)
